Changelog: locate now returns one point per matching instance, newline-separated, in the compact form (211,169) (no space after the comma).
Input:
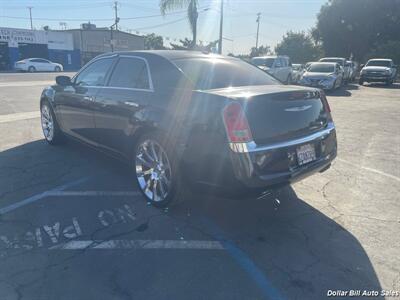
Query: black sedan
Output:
(190,118)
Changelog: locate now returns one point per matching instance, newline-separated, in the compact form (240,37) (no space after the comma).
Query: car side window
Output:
(278,63)
(95,74)
(130,72)
(36,60)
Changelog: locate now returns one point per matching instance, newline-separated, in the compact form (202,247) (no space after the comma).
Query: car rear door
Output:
(119,106)
(75,104)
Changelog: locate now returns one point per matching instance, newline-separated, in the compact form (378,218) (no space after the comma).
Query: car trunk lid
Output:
(277,113)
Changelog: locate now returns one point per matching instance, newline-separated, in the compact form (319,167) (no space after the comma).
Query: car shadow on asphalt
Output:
(301,252)
(393,86)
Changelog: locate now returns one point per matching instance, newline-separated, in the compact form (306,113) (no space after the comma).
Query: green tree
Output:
(357,26)
(153,42)
(299,47)
(185,45)
(260,51)
(192,13)
(390,49)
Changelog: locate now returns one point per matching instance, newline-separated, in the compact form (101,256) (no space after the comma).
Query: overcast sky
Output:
(277,17)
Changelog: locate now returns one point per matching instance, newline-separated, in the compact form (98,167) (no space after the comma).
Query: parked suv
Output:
(378,70)
(343,63)
(278,66)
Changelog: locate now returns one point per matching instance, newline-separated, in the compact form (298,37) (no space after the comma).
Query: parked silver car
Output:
(327,76)
(279,67)
(342,62)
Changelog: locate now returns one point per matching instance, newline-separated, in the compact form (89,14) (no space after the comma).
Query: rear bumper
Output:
(265,166)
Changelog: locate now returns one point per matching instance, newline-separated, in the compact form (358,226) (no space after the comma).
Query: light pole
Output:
(258,28)
(30,15)
(220,27)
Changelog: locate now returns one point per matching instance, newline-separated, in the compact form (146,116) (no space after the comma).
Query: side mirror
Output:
(63,80)
(362,66)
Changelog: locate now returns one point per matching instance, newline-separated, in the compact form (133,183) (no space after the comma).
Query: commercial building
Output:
(72,48)
(92,41)
(17,44)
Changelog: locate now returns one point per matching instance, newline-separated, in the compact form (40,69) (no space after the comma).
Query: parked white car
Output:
(37,65)
(378,70)
(297,72)
(278,66)
(353,69)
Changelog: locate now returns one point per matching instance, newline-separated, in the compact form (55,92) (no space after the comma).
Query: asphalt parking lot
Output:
(74,226)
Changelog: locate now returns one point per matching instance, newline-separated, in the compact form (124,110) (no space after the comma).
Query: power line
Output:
(160,25)
(102,19)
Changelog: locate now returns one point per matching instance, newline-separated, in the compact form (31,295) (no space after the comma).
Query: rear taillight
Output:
(236,125)
(325,101)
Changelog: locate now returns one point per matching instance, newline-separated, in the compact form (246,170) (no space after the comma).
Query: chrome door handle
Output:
(88,98)
(134,104)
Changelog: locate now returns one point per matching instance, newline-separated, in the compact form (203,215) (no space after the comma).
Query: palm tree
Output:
(169,5)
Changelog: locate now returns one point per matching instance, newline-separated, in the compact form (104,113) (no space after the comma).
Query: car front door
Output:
(75,103)
(119,106)
(37,64)
(47,65)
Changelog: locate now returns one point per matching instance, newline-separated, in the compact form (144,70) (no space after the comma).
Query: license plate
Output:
(305,154)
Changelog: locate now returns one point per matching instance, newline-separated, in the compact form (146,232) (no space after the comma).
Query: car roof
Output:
(324,63)
(380,59)
(169,54)
(341,58)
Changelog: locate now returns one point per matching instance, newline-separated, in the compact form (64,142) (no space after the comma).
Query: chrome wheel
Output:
(153,170)
(47,123)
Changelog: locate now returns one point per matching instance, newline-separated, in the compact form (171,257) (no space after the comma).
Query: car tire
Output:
(361,82)
(289,80)
(31,69)
(57,69)
(156,171)
(389,82)
(51,130)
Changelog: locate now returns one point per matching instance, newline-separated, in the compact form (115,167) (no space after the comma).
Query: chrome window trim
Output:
(151,86)
(89,64)
(250,147)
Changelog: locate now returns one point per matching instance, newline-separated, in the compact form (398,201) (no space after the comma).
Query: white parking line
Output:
(370,169)
(26,83)
(40,196)
(19,116)
(140,244)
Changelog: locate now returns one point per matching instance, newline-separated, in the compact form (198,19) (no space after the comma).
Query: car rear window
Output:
(261,61)
(214,73)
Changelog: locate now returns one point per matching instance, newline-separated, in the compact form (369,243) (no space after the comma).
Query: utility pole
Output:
(220,28)
(258,28)
(116,15)
(30,15)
